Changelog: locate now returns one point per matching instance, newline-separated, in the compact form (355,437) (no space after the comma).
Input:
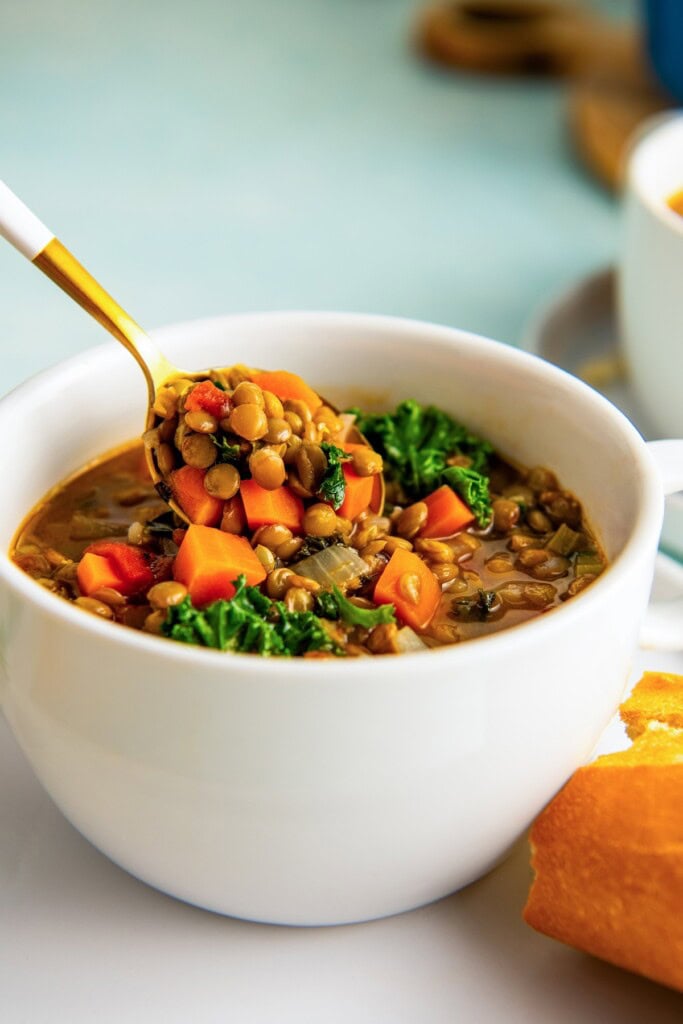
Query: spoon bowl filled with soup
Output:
(320,702)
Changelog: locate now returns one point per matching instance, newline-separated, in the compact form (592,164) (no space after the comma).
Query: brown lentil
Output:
(320,520)
(272,536)
(265,557)
(222,481)
(373,548)
(199,451)
(272,406)
(289,549)
(311,465)
(445,572)
(279,431)
(267,468)
(397,542)
(202,422)
(538,521)
(499,563)
(154,622)
(166,595)
(540,479)
(505,514)
(311,433)
(247,393)
(90,604)
(520,541)
(367,462)
(107,595)
(295,422)
(305,583)
(295,405)
(277,583)
(293,445)
(435,550)
(411,520)
(249,421)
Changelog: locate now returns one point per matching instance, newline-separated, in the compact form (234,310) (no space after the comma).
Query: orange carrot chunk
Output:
(358,495)
(264,507)
(187,484)
(209,560)
(446,513)
(95,572)
(288,385)
(410,585)
(358,492)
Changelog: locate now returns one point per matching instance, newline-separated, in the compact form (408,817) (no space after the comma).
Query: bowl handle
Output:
(663,626)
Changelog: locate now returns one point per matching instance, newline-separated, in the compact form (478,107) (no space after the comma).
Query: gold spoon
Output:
(21,227)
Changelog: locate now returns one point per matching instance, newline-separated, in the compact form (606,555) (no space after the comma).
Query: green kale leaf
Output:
(248,623)
(333,485)
(226,452)
(331,604)
(416,442)
(473,488)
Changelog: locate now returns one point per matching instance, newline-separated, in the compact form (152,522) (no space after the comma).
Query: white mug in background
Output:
(651,274)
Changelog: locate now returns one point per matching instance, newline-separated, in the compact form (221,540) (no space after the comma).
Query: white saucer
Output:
(577,331)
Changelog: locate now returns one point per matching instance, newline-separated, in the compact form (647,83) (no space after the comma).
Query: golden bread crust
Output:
(608,850)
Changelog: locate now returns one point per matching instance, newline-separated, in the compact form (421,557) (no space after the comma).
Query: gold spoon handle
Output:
(35,241)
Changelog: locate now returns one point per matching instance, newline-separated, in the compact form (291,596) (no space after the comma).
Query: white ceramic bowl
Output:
(307,792)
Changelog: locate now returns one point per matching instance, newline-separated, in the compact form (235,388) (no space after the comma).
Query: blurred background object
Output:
(611,87)
(223,156)
(664,34)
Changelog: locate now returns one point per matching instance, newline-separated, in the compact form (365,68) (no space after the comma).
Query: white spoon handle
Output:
(29,235)
(20,226)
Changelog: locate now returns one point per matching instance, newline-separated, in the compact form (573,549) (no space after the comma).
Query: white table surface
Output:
(82,941)
(222,156)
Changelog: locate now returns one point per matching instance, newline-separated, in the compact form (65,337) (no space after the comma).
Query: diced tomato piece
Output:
(207,397)
(129,569)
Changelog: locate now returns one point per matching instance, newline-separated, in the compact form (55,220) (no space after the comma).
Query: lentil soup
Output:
(295,545)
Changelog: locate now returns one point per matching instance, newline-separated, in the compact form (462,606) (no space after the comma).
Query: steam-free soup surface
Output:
(307,561)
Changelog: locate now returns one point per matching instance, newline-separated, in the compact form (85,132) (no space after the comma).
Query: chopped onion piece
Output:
(337,565)
(348,420)
(407,641)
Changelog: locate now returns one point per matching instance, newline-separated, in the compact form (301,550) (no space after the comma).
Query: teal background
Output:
(220,156)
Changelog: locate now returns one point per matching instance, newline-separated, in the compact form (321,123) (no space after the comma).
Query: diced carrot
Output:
(358,492)
(209,560)
(410,585)
(123,567)
(187,484)
(288,385)
(95,572)
(358,495)
(207,397)
(263,507)
(446,513)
